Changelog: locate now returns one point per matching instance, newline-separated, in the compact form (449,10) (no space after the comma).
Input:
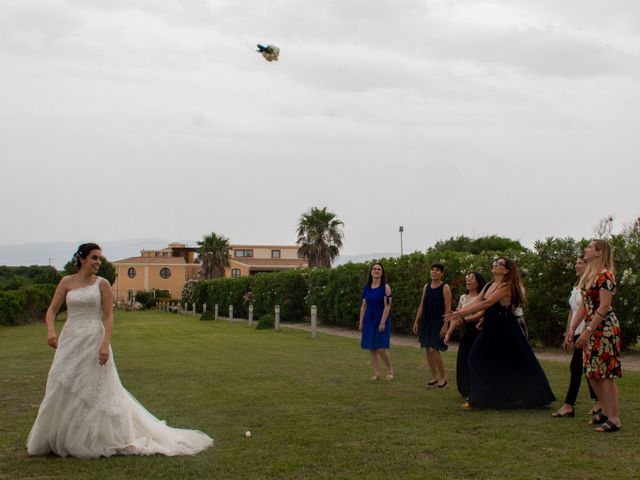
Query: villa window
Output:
(275,253)
(131,273)
(165,273)
(235,273)
(243,253)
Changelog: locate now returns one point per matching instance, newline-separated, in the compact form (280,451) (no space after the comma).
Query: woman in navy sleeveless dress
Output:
(375,321)
(430,325)
(504,370)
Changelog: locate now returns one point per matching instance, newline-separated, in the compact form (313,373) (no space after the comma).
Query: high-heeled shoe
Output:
(558,414)
(598,419)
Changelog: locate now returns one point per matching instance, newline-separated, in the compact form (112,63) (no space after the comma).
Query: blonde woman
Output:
(601,335)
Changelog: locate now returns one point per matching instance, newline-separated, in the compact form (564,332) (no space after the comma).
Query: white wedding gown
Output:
(86,412)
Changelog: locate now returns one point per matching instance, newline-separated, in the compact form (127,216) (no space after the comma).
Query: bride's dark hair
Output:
(83,252)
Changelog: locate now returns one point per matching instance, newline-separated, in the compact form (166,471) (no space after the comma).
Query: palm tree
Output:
(319,237)
(214,255)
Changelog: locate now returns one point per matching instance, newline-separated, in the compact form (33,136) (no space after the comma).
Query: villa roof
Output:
(253,245)
(268,264)
(155,260)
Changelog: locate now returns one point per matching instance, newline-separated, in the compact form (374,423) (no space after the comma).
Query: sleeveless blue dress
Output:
(371,338)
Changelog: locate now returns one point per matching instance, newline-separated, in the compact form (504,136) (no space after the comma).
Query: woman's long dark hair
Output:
(479,280)
(514,281)
(383,279)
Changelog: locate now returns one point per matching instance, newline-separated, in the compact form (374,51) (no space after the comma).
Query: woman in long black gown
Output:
(504,370)
(475,283)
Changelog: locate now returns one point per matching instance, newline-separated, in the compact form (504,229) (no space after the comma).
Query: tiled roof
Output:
(154,260)
(249,246)
(269,263)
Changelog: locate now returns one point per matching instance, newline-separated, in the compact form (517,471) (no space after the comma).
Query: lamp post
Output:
(401,229)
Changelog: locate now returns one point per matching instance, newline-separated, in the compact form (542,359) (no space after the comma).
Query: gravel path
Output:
(630,362)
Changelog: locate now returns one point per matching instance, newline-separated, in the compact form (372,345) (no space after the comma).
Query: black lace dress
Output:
(504,370)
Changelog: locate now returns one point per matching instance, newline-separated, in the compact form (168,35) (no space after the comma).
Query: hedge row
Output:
(547,272)
(27,304)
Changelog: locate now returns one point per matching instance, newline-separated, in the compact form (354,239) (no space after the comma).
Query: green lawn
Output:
(311,408)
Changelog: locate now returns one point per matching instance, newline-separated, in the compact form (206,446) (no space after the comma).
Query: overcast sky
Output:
(154,118)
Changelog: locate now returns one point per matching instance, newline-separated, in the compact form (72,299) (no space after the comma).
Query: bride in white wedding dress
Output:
(86,412)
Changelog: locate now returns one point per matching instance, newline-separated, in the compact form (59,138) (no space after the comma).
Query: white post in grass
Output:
(250,314)
(231,313)
(193,309)
(215,313)
(277,318)
(314,321)
(204,308)
(186,307)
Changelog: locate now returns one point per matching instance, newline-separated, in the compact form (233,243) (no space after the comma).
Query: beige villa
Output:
(169,268)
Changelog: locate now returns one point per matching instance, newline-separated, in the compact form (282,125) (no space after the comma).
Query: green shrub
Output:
(146,299)
(36,300)
(189,292)
(549,276)
(208,315)
(626,302)
(336,292)
(10,307)
(36,274)
(266,322)
(225,292)
(28,304)
(287,289)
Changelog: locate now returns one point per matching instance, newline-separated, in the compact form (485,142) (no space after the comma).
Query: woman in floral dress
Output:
(601,335)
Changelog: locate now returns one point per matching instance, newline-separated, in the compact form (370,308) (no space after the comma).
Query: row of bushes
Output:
(27,304)
(547,272)
(264,291)
(149,299)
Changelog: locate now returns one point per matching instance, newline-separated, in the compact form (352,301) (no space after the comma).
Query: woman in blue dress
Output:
(430,325)
(375,322)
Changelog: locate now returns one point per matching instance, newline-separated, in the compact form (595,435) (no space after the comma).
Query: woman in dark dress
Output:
(430,325)
(375,321)
(504,370)
(475,283)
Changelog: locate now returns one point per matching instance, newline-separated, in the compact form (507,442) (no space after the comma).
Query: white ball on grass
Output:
(247,434)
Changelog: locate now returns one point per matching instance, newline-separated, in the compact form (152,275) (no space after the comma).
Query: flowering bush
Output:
(547,271)
(189,292)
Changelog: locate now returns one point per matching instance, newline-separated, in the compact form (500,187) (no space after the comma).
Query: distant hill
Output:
(59,253)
